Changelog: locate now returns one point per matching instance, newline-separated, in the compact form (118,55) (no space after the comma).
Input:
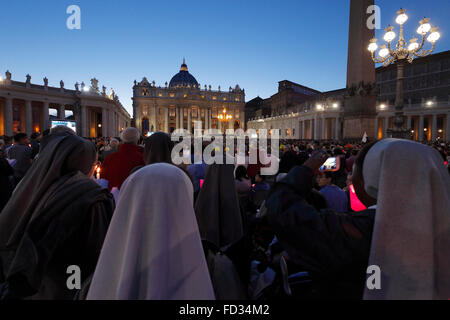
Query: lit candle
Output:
(98,172)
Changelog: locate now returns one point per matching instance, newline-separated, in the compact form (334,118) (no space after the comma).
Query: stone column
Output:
(434,127)
(189,122)
(316,127)
(177,117)
(386,126)
(166,119)
(83,121)
(62,112)
(376,128)
(9,117)
(154,120)
(324,129)
(116,121)
(28,118)
(447,127)
(337,128)
(105,126)
(206,118)
(45,116)
(408,123)
(303,129)
(420,127)
(181,118)
(111,131)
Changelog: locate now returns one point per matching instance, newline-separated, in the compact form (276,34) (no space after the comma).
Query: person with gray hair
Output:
(130,135)
(118,166)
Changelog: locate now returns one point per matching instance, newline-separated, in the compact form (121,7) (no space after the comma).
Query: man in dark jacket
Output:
(333,247)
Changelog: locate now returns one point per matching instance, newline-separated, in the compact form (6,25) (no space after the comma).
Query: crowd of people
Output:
(140,227)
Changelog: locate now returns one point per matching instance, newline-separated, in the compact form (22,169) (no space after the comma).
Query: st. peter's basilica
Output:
(182,101)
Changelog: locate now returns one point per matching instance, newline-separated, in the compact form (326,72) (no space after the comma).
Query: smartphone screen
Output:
(332,164)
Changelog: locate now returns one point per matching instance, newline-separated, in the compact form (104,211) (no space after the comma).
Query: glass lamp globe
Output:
(390,35)
(383,52)
(424,27)
(402,17)
(413,46)
(434,36)
(373,47)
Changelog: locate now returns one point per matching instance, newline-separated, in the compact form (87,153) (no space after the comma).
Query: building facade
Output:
(28,108)
(426,109)
(182,101)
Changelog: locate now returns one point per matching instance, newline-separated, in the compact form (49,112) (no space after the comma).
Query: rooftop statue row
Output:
(93,89)
(146,83)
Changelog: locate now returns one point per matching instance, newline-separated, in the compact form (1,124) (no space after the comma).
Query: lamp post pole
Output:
(399,100)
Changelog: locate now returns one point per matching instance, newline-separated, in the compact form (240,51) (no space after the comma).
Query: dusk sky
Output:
(251,43)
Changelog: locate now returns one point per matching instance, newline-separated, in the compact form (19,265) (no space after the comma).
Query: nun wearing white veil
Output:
(411,238)
(152,249)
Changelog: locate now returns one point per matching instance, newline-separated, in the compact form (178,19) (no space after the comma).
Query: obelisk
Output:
(360,99)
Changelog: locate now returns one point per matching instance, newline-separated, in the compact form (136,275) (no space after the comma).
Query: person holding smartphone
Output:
(403,231)
(333,247)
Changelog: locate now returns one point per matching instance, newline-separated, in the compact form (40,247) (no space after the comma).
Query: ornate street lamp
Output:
(402,54)
(224,117)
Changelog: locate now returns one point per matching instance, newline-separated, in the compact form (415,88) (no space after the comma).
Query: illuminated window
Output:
(160,94)
(214,98)
(185,95)
(236,99)
(145,92)
(224,98)
(171,112)
(172,94)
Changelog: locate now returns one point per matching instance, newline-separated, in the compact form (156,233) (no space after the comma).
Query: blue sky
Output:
(251,43)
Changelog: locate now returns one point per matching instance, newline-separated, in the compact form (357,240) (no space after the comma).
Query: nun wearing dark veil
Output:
(158,148)
(222,230)
(217,207)
(57,217)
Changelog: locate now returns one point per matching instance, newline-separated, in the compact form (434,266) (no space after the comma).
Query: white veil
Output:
(411,238)
(152,249)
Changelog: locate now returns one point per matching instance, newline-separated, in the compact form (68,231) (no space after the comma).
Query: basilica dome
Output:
(183,78)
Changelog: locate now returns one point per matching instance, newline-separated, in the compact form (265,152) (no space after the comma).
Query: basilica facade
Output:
(182,101)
